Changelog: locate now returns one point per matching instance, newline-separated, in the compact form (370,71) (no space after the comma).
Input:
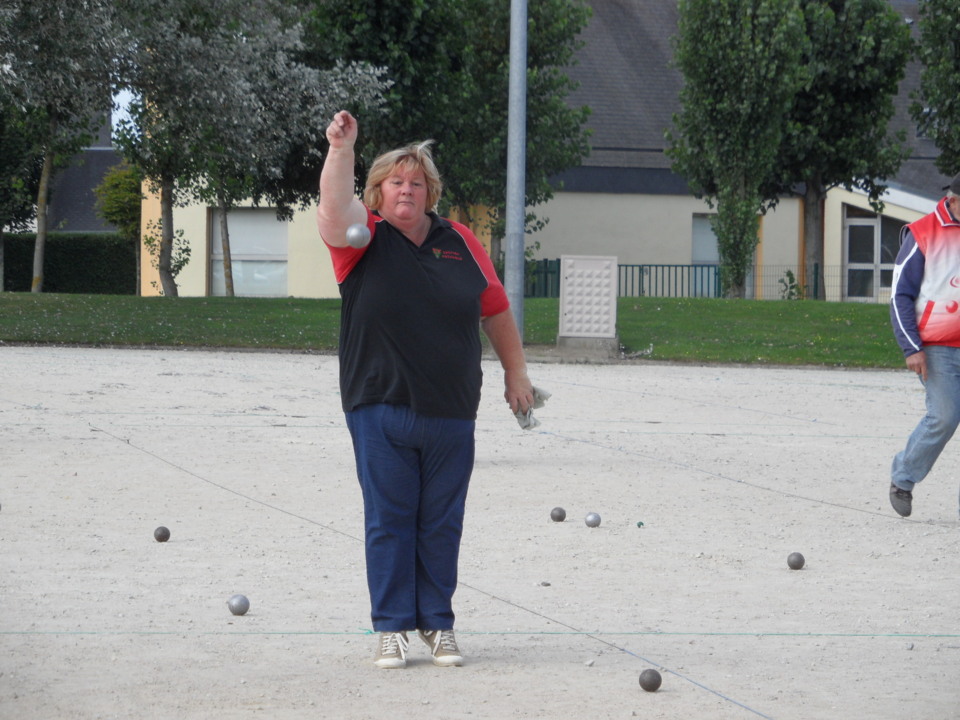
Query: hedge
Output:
(93,263)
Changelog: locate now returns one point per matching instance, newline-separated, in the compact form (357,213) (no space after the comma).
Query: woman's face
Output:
(404,196)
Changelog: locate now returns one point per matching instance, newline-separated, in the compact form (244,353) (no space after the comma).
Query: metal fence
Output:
(669,281)
(769,282)
(542,279)
(781,282)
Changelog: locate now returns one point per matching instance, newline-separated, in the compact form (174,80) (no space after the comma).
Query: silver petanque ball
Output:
(558,514)
(238,604)
(358,235)
(592,520)
(795,561)
(161,534)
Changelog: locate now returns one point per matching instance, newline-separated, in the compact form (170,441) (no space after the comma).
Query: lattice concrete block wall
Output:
(588,296)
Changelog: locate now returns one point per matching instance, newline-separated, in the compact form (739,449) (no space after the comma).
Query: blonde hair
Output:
(404,160)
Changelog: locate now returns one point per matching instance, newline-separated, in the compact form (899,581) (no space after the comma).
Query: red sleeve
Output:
(493,300)
(346,258)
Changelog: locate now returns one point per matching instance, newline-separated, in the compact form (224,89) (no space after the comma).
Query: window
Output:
(258,253)
(704,251)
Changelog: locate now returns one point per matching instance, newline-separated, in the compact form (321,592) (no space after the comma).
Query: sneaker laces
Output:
(392,643)
(448,642)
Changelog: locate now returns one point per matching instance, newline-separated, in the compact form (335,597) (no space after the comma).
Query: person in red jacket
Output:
(414,300)
(925,314)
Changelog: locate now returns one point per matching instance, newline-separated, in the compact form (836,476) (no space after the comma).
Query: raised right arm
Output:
(339,207)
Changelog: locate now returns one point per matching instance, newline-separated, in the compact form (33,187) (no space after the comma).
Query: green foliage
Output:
(58,66)
(740,135)
(280,108)
(936,107)
(21,160)
(119,199)
(475,156)
(104,263)
(735,225)
(60,57)
(790,289)
(837,131)
(179,72)
(740,62)
(448,63)
(222,110)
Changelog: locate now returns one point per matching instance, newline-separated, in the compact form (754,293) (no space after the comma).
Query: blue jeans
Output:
(935,429)
(414,472)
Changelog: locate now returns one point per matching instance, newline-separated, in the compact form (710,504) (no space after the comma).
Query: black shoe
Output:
(902,500)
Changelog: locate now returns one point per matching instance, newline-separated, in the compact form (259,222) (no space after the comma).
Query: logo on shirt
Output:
(440,254)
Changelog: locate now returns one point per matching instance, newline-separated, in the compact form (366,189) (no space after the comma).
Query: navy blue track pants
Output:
(414,472)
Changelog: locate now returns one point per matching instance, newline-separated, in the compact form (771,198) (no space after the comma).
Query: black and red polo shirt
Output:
(410,320)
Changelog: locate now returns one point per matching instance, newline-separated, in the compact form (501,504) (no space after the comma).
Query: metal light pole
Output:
(516,161)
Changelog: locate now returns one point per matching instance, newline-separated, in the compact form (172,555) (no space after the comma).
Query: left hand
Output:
(918,363)
(519,390)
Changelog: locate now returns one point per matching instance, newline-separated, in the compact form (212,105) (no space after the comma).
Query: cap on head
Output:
(954,185)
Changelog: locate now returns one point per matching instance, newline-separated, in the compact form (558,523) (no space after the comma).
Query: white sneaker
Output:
(443,647)
(392,650)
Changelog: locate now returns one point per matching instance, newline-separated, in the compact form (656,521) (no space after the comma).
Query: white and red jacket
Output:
(925,296)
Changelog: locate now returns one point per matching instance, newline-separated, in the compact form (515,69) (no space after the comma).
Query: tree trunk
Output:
(735,225)
(41,243)
(167,282)
(2,286)
(813,198)
(139,251)
(225,245)
(735,290)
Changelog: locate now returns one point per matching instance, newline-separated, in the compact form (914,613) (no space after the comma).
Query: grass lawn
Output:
(783,332)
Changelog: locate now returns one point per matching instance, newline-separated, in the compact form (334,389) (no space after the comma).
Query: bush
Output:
(92,263)
(119,199)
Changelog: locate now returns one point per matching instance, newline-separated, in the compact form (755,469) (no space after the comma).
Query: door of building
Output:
(871,242)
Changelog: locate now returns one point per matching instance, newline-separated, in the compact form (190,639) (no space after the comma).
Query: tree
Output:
(20,164)
(837,134)
(119,201)
(177,69)
(58,70)
(740,62)
(21,158)
(284,111)
(218,101)
(448,63)
(936,107)
(476,153)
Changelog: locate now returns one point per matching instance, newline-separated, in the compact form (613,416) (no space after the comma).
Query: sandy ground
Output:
(245,457)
